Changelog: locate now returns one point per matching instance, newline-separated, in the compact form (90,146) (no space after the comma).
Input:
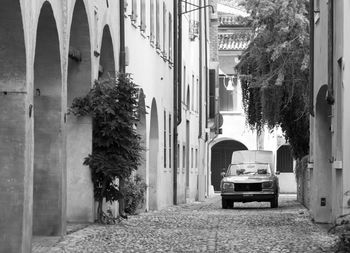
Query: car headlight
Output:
(267,184)
(227,185)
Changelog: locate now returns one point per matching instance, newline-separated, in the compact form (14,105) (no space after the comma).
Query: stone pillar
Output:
(15,174)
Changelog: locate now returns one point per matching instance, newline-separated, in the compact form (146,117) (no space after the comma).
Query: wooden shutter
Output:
(143,15)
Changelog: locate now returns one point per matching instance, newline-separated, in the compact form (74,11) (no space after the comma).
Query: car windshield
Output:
(248,169)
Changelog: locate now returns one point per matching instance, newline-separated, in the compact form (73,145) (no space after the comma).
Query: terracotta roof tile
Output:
(234,41)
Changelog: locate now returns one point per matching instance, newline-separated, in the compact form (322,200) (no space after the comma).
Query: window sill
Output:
(231,112)
(133,23)
(143,34)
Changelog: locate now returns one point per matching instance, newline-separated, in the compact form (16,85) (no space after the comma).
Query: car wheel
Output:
(224,203)
(274,202)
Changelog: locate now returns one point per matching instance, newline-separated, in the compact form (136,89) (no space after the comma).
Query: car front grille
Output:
(253,187)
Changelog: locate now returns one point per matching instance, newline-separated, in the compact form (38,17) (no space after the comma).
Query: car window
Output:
(248,169)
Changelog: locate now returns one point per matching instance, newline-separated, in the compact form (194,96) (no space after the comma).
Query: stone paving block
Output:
(206,227)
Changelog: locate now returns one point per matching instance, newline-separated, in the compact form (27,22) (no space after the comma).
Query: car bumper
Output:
(248,196)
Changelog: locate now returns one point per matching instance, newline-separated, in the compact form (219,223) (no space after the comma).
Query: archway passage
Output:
(15,169)
(322,173)
(153,158)
(107,63)
(221,154)
(49,172)
(284,159)
(80,199)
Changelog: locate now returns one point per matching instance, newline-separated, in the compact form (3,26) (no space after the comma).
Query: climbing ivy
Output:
(116,151)
(274,69)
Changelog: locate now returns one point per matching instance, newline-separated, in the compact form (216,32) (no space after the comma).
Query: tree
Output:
(112,104)
(274,69)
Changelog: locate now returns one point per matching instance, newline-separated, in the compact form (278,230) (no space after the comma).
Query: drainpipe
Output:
(206,69)
(179,58)
(122,37)
(330,95)
(176,105)
(122,70)
(200,69)
(311,74)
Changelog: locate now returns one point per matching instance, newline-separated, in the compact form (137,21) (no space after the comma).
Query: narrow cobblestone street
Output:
(205,227)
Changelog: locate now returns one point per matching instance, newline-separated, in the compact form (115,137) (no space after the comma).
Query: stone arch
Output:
(153,157)
(15,168)
(107,62)
(12,54)
(221,154)
(80,202)
(49,168)
(323,152)
(284,159)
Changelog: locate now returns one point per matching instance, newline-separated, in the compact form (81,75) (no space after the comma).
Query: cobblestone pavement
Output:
(205,227)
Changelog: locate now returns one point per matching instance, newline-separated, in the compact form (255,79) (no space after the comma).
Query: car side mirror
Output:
(222,174)
(277,172)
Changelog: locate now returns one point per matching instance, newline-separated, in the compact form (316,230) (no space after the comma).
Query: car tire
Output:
(274,202)
(224,203)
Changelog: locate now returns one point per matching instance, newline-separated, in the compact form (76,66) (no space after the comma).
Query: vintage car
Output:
(250,177)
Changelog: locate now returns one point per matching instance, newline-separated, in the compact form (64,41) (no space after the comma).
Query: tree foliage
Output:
(112,104)
(274,69)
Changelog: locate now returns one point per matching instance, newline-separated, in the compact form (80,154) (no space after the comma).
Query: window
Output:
(170,129)
(165,149)
(193,93)
(196,159)
(164,30)
(184,85)
(228,93)
(143,15)
(192,157)
(183,157)
(178,156)
(197,95)
(212,81)
(157,24)
(151,29)
(134,11)
(317,11)
(170,29)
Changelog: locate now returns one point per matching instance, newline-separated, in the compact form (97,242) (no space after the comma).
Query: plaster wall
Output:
(154,75)
(190,112)
(287,183)
(346,112)
(321,172)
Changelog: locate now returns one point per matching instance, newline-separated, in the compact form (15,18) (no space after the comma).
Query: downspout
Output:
(312,53)
(175,99)
(122,37)
(179,59)
(206,68)
(330,95)
(200,69)
(121,70)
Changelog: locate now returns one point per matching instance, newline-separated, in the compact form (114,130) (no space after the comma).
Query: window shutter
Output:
(170,37)
(143,15)
(152,20)
(164,30)
(157,25)
(134,11)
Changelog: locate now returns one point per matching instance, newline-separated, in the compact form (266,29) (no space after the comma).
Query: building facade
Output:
(231,132)
(328,162)
(53,51)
